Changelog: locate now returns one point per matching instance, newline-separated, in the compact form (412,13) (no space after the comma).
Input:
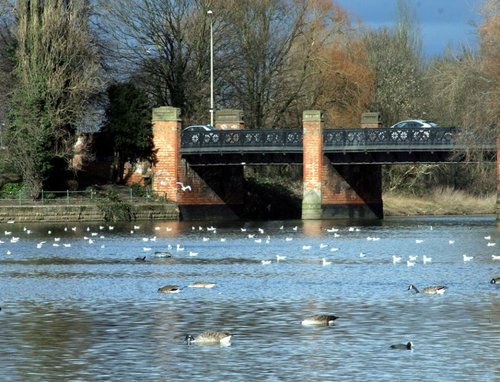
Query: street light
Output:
(209,12)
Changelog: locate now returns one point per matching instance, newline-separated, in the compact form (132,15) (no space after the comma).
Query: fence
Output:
(89,196)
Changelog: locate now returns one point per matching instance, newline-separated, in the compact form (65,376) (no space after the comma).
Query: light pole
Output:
(209,12)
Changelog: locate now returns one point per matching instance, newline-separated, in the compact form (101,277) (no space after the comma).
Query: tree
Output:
(395,59)
(272,66)
(7,61)
(163,46)
(128,130)
(57,75)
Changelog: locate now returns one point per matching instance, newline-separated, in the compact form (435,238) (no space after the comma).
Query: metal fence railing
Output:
(90,196)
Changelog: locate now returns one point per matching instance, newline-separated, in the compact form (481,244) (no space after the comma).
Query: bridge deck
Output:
(342,146)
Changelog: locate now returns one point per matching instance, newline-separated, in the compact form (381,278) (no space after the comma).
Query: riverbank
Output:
(439,202)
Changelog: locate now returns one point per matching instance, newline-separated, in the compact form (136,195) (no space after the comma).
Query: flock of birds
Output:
(224,337)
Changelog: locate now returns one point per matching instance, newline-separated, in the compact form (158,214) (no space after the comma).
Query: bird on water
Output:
(210,338)
(319,319)
(407,346)
(433,289)
(202,284)
(169,289)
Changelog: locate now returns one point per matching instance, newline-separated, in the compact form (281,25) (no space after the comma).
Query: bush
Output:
(11,190)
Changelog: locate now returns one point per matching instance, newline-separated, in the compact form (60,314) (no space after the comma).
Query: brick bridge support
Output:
(333,191)
(214,191)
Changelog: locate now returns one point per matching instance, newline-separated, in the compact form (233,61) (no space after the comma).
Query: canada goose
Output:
(407,346)
(210,338)
(169,289)
(433,289)
(202,284)
(495,280)
(320,319)
(143,258)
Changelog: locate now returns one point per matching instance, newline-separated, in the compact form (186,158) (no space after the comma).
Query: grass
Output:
(440,201)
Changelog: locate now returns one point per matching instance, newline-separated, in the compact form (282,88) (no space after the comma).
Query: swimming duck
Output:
(169,289)
(407,346)
(319,319)
(495,280)
(202,284)
(210,338)
(433,289)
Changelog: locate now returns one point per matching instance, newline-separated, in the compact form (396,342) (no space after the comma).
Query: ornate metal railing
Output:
(378,138)
(290,140)
(238,140)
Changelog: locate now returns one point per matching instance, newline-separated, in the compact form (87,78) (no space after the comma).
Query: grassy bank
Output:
(438,202)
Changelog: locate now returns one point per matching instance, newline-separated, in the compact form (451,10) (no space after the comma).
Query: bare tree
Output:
(397,64)
(163,46)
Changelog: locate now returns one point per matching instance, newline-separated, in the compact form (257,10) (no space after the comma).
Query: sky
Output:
(442,22)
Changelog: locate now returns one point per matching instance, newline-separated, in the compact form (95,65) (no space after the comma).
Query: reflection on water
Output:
(88,311)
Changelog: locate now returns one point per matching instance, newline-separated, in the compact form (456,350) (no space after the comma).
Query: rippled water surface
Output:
(76,305)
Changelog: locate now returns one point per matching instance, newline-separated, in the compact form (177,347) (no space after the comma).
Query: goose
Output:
(433,289)
(201,284)
(407,346)
(320,319)
(396,259)
(210,338)
(495,280)
(427,259)
(169,289)
(143,258)
(325,262)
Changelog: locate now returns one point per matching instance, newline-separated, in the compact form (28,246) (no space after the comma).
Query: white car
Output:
(419,128)
(414,124)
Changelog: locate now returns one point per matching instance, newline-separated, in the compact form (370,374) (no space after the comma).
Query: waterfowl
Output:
(169,289)
(319,319)
(143,258)
(495,280)
(163,254)
(407,346)
(433,289)
(202,284)
(210,338)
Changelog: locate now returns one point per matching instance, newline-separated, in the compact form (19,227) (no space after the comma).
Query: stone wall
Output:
(84,213)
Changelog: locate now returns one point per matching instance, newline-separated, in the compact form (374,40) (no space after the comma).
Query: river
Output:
(76,305)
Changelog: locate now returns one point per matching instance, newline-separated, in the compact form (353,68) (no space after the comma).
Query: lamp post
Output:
(209,12)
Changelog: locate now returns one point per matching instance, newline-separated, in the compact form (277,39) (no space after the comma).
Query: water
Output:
(90,312)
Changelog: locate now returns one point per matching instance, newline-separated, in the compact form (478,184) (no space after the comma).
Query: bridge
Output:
(341,146)
(342,168)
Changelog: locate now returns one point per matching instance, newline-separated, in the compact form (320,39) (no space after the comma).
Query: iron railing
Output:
(248,140)
(333,139)
(90,196)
